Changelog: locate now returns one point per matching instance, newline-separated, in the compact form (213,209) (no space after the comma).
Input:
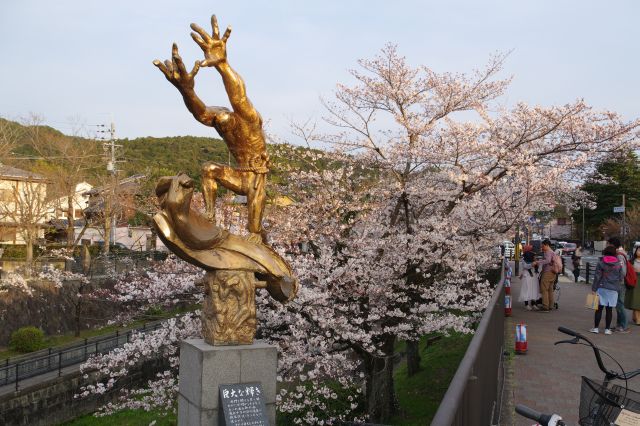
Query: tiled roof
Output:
(13,173)
(130,182)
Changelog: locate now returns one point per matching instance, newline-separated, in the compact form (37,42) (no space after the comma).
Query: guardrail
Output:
(587,273)
(473,394)
(55,360)
(99,266)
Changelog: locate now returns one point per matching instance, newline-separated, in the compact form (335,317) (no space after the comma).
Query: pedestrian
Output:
(547,276)
(578,251)
(632,298)
(606,282)
(621,315)
(575,260)
(529,292)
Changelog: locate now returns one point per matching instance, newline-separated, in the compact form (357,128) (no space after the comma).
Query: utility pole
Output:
(516,255)
(109,207)
(583,227)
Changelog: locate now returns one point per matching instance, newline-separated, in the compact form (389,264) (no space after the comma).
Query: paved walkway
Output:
(548,377)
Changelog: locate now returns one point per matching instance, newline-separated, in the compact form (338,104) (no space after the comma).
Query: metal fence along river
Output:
(52,359)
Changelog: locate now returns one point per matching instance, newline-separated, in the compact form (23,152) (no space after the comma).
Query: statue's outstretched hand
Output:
(176,72)
(214,47)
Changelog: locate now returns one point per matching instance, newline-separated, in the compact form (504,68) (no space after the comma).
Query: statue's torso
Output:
(244,138)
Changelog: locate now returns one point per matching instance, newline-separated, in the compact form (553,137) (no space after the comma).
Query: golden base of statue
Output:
(229,308)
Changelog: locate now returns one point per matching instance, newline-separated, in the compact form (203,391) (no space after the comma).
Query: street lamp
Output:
(516,254)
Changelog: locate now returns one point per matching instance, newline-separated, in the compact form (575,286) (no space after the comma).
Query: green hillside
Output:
(167,156)
(153,157)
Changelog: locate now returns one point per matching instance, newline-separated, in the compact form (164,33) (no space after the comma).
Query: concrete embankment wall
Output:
(52,401)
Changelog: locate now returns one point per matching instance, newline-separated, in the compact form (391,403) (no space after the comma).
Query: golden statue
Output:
(241,129)
(235,265)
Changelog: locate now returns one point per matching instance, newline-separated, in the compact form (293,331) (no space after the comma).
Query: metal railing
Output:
(12,371)
(587,273)
(473,394)
(99,266)
(590,269)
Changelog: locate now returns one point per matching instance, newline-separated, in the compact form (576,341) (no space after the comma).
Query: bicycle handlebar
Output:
(565,330)
(543,419)
(610,374)
(596,351)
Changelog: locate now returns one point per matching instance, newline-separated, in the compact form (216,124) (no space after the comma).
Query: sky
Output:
(90,61)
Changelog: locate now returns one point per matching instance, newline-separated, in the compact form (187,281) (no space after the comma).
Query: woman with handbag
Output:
(632,296)
(605,285)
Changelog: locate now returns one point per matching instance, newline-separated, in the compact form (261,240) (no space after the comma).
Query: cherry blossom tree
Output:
(402,231)
(165,284)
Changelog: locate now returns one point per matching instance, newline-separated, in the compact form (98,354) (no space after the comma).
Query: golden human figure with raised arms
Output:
(235,265)
(240,128)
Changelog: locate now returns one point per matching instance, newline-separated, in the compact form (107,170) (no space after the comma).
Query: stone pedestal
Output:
(204,367)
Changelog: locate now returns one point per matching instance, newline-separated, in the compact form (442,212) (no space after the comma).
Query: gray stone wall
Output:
(50,308)
(52,402)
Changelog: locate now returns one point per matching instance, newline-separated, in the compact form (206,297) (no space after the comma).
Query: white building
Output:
(80,202)
(24,208)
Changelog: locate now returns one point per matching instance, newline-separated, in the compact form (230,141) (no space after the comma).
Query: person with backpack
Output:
(548,275)
(632,297)
(621,315)
(606,282)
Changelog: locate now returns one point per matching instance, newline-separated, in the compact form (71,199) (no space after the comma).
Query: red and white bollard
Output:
(521,338)
(507,305)
(507,290)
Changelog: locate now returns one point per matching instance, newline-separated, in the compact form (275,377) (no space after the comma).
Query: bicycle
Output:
(600,404)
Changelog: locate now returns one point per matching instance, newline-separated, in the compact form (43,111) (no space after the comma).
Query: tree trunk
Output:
(413,357)
(70,221)
(86,259)
(380,391)
(78,310)
(153,238)
(77,333)
(29,261)
(29,251)
(107,234)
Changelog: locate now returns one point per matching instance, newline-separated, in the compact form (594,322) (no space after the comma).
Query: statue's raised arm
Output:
(241,128)
(177,74)
(215,53)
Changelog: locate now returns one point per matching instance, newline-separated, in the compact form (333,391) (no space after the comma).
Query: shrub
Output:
(154,311)
(27,339)
(14,251)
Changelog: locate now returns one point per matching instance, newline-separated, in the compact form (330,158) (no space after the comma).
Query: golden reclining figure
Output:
(195,239)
